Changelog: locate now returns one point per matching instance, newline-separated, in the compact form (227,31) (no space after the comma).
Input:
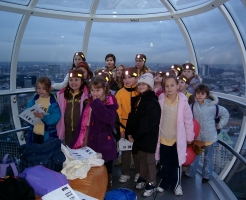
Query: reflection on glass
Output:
(81,6)
(235,180)
(9,23)
(218,57)
(162,43)
(238,11)
(20,2)
(130,7)
(47,49)
(181,4)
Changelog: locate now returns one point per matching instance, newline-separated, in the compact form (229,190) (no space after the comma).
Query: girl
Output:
(71,100)
(183,85)
(87,73)
(46,128)
(110,61)
(176,130)
(204,113)
(189,72)
(118,76)
(77,58)
(140,61)
(142,129)
(177,69)
(158,83)
(99,116)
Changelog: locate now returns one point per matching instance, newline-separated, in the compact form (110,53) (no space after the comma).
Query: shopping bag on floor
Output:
(120,194)
(8,166)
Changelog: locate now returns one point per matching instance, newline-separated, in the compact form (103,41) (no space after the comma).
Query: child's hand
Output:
(38,114)
(122,134)
(189,142)
(130,138)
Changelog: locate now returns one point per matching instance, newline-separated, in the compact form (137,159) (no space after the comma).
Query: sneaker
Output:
(205,180)
(124,178)
(149,190)
(136,177)
(118,161)
(140,185)
(178,191)
(159,189)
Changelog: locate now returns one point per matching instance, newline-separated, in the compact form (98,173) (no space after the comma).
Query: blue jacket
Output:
(49,121)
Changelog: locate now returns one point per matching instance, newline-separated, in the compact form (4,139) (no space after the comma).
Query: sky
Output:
(52,40)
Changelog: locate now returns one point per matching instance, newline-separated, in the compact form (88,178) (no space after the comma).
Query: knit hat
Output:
(177,67)
(83,64)
(81,55)
(132,71)
(147,78)
(185,79)
(78,73)
(188,66)
(141,56)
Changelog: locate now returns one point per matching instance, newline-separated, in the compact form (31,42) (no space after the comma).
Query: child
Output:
(143,131)
(177,69)
(110,61)
(77,58)
(118,76)
(124,96)
(99,115)
(183,85)
(140,61)
(158,78)
(175,131)
(204,113)
(71,100)
(189,71)
(87,73)
(47,127)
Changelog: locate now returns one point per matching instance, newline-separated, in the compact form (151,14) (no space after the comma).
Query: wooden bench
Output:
(94,185)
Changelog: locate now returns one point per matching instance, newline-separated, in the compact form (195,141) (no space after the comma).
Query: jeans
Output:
(207,168)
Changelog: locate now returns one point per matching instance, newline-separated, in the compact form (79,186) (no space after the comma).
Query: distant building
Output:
(205,70)
(54,69)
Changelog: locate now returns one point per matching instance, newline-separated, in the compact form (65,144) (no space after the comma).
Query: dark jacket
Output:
(143,122)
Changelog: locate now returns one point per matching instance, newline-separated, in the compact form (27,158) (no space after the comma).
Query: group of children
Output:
(153,112)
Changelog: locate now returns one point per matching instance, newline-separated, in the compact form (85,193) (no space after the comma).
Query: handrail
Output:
(15,130)
(233,151)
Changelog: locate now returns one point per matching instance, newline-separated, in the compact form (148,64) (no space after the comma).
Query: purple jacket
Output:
(102,121)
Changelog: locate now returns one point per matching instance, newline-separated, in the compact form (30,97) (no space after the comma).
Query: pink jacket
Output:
(60,127)
(185,131)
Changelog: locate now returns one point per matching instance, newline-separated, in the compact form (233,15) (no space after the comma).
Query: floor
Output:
(193,188)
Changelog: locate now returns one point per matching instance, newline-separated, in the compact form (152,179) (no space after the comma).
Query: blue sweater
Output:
(49,121)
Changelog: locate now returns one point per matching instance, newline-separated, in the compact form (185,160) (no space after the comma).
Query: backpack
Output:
(120,194)
(216,117)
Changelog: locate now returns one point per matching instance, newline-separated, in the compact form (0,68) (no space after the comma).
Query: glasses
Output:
(142,84)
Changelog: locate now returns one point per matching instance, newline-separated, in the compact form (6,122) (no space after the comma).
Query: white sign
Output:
(66,193)
(125,145)
(82,153)
(28,115)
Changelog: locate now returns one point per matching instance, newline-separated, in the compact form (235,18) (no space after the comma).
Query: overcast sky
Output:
(161,41)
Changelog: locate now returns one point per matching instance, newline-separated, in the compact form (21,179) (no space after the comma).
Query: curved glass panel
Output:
(218,57)
(47,49)
(178,5)
(162,43)
(235,180)
(9,23)
(81,6)
(130,7)
(20,2)
(238,12)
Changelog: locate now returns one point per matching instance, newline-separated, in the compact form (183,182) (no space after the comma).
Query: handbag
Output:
(48,154)
(43,180)
(8,167)
(14,187)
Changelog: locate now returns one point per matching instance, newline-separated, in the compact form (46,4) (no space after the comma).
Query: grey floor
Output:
(193,188)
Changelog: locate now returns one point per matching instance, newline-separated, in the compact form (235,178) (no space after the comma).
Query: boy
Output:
(123,96)
(183,85)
